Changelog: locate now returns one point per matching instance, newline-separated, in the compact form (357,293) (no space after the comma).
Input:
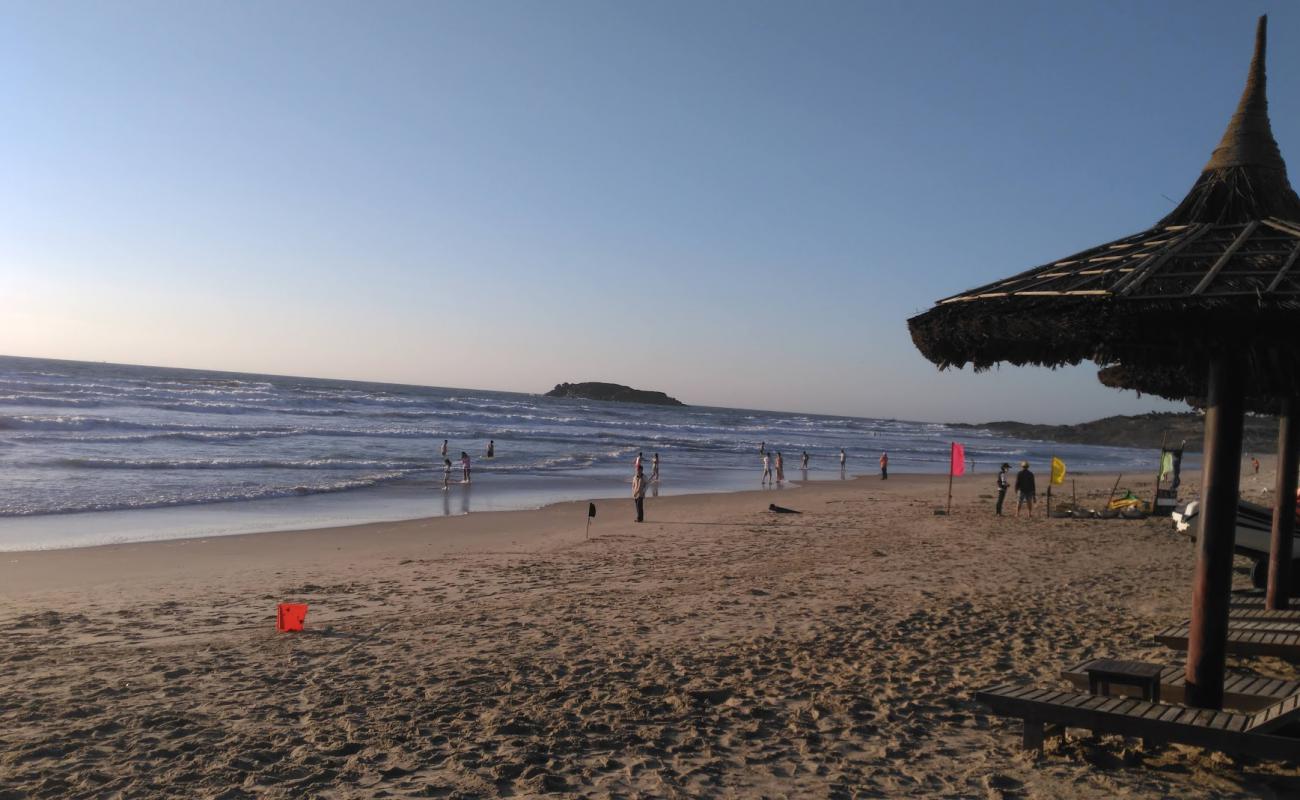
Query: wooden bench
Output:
(1225,731)
(1254,639)
(1241,691)
(1248,614)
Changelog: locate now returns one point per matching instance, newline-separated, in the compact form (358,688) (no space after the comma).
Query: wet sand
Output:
(716,650)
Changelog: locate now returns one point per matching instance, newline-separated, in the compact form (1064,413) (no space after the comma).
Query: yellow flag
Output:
(1058,471)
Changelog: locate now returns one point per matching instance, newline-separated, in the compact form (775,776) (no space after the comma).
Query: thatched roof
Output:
(1219,271)
(1173,384)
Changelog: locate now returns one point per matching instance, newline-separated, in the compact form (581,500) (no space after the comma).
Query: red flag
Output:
(958,460)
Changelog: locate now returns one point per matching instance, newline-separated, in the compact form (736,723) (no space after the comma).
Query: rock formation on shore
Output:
(612,392)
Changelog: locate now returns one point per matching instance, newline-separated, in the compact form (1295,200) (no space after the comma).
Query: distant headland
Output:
(613,392)
(1143,430)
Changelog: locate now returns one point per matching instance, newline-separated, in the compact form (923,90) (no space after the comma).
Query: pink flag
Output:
(958,460)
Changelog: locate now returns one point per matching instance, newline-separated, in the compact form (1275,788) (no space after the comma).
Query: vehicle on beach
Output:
(1254,536)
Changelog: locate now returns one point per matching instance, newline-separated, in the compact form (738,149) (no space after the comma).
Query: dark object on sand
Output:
(775,509)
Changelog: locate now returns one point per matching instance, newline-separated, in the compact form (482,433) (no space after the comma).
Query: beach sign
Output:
(290,617)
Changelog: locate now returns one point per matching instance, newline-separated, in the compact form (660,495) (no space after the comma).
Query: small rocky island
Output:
(613,392)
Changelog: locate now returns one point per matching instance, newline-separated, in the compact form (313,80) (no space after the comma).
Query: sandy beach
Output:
(716,650)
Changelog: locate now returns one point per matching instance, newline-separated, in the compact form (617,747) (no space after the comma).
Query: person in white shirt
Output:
(767,468)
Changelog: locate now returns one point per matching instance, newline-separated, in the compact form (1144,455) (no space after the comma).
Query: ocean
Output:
(94,453)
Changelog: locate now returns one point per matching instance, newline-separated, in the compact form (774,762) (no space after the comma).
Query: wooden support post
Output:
(1284,504)
(1208,638)
(1034,735)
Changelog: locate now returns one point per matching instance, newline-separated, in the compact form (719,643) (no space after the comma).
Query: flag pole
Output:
(1051,469)
(952,450)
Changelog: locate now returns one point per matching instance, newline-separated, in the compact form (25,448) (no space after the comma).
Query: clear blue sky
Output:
(737,203)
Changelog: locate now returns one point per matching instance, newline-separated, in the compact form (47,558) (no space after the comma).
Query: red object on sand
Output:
(290,617)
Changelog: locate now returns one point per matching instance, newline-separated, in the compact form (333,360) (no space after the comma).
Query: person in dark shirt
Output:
(1003,485)
(1026,493)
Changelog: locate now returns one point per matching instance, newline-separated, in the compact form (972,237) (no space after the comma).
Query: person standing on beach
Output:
(843,458)
(767,468)
(1026,492)
(1003,485)
(492,448)
(805,461)
(446,473)
(780,467)
(638,493)
(654,469)
(464,465)
(884,466)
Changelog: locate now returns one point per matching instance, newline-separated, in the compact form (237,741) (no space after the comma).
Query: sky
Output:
(737,203)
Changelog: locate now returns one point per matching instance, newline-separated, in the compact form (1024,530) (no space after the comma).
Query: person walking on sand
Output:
(767,468)
(638,493)
(444,448)
(464,466)
(492,448)
(780,467)
(805,461)
(1003,485)
(1025,490)
(446,473)
(884,466)
(654,469)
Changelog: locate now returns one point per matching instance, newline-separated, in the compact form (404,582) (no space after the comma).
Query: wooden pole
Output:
(951,450)
(1051,465)
(1114,489)
(1284,504)
(1208,638)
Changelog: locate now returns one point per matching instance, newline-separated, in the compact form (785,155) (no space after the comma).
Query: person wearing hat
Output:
(1003,485)
(1025,490)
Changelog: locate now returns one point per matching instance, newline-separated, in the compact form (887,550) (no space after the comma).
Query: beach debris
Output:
(775,509)
(290,617)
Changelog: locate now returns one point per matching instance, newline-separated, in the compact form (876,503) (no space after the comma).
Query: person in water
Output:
(767,468)
(446,473)
(444,448)
(638,493)
(843,458)
(464,465)
(780,467)
(654,469)
(492,448)
(805,461)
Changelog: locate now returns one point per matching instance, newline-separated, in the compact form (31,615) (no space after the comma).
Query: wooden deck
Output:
(1241,692)
(1244,639)
(1225,731)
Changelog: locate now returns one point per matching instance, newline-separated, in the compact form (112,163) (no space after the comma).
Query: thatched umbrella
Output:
(1211,290)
